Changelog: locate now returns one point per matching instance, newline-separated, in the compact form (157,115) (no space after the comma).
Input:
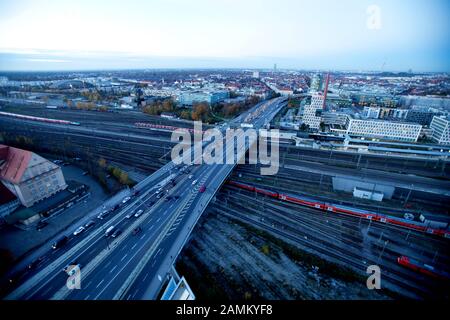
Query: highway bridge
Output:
(136,265)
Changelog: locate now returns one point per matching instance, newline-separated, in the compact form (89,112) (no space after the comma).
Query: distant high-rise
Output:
(316,83)
(256,74)
(275,67)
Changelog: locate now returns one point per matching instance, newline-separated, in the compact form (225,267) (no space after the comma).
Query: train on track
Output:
(164,127)
(422,268)
(39,119)
(350,211)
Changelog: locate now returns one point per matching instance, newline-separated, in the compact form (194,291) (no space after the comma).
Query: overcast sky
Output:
(319,34)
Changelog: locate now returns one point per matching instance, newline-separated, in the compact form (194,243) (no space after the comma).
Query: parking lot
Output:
(20,242)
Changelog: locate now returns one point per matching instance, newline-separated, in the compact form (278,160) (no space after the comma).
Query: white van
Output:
(109,231)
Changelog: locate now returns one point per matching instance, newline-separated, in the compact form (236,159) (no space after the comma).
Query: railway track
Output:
(339,235)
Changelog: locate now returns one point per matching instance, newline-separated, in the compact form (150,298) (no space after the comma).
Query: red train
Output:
(24,117)
(422,268)
(359,213)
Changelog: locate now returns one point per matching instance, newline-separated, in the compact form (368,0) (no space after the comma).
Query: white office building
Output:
(312,113)
(386,130)
(441,129)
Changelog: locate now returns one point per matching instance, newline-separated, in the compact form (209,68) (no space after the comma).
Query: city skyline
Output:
(357,35)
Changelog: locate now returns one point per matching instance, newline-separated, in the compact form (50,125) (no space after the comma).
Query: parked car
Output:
(202,189)
(194,182)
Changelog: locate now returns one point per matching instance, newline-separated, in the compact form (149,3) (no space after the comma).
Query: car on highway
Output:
(79,230)
(35,263)
(41,225)
(60,242)
(194,182)
(126,199)
(103,214)
(140,211)
(109,231)
(85,173)
(136,230)
(129,215)
(116,233)
(89,224)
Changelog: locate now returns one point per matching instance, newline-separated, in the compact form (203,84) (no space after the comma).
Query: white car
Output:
(139,213)
(190,176)
(126,200)
(194,182)
(79,230)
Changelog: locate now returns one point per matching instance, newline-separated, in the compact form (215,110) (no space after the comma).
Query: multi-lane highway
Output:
(135,263)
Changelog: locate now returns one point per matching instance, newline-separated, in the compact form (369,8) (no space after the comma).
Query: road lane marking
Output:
(123,258)
(134,246)
(110,271)
(98,285)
